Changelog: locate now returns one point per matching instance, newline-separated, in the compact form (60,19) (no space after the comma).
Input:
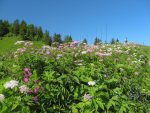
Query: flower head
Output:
(87,97)
(36,90)
(26,80)
(21,50)
(28,44)
(26,69)
(19,42)
(84,52)
(30,91)
(91,83)
(24,89)
(27,72)
(35,99)
(11,84)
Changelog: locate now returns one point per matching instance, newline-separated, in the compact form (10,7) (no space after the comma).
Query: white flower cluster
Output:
(19,42)
(103,54)
(46,47)
(26,43)
(91,83)
(83,52)
(21,50)
(24,89)
(45,50)
(59,55)
(2,97)
(11,84)
(87,97)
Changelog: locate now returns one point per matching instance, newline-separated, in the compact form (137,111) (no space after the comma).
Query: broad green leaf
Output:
(101,104)
(14,106)
(74,110)
(110,103)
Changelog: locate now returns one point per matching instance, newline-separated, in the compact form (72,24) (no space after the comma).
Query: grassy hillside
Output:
(146,50)
(7,44)
(74,78)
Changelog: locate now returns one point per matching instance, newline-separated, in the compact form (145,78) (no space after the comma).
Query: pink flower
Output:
(30,91)
(35,99)
(26,80)
(36,90)
(29,74)
(26,70)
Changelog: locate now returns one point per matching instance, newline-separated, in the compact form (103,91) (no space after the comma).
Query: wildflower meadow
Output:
(74,78)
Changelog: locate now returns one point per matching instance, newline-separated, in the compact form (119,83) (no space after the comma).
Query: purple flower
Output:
(26,69)
(30,91)
(29,74)
(36,90)
(26,80)
(35,99)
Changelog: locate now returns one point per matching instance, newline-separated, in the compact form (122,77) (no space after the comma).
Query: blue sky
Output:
(84,18)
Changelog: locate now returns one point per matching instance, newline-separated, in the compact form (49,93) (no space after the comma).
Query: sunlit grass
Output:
(7,44)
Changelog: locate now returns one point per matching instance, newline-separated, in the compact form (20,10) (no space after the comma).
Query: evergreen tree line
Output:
(30,32)
(98,41)
(34,33)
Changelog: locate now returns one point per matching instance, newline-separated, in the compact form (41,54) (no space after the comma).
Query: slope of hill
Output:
(74,78)
(7,44)
(146,50)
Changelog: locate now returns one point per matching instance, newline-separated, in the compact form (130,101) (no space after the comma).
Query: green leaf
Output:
(95,104)
(122,109)
(75,79)
(80,105)
(110,103)
(47,87)
(115,98)
(113,80)
(4,108)
(100,103)
(14,106)
(74,110)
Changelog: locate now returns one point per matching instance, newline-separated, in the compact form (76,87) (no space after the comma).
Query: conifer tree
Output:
(84,41)
(30,32)
(4,27)
(15,27)
(39,33)
(23,30)
(47,38)
(1,28)
(112,41)
(97,41)
(35,33)
(126,40)
(117,40)
(57,38)
(67,39)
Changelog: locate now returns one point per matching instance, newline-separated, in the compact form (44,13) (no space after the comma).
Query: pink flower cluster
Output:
(27,75)
(34,92)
